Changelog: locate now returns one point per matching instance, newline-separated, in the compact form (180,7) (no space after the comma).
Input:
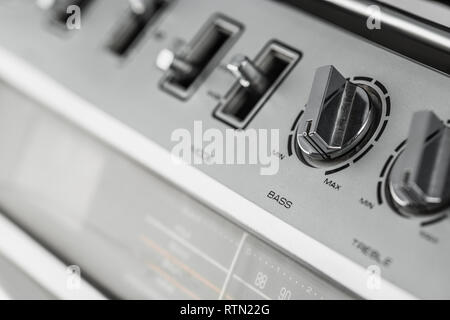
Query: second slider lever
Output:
(248,74)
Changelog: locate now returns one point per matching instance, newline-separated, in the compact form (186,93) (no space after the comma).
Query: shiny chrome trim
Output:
(411,36)
(407,25)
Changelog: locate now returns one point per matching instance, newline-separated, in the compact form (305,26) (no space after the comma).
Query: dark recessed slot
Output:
(274,65)
(134,26)
(242,103)
(202,54)
(59,9)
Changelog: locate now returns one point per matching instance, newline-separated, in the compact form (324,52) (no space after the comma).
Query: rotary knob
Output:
(339,116)
(419,181)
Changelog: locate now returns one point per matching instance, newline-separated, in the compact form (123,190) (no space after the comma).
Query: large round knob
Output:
(338,116)
(419,182)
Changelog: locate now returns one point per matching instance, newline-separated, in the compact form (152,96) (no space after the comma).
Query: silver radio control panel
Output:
(348,196)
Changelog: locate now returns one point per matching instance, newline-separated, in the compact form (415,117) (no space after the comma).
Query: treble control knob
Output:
(419,181)
(339,116)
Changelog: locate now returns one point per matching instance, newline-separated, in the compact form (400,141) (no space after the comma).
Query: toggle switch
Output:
(256,81)
(419,182)
(248,75)
(175,61)
(185,67)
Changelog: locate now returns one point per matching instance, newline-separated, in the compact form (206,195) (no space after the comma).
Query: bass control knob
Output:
(419,181)
(338,116)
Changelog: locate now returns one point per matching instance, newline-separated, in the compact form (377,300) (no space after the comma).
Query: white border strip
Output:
(39,264)
(62,101)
